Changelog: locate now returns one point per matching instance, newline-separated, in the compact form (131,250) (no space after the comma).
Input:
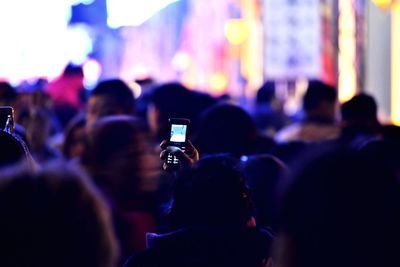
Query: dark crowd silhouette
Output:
(83,179)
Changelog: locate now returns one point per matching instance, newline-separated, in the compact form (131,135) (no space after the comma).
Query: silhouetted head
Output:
(319,101)
(111,97)
(342,209)
(361,107)
(51,217)
(114,156)
(211,194)
(226,128)
(37,125)
(173,100)
(359,114)
(8,94)
(73,70)
(266,93)
(13,150)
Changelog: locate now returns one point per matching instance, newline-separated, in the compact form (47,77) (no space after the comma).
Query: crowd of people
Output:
(83,180)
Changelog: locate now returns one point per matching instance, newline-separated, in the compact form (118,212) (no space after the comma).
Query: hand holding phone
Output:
(177,148)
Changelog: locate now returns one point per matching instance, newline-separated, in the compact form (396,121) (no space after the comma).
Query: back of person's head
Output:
(359,116)
(226,128)
(37,125)
(13,150)
(319,100)
(73,70)
(211,194)
(263,174)
(361,108)
(8,94)
(342,209)
(53,217)
(266,93)
(113,155)
(173,100)
(110,97)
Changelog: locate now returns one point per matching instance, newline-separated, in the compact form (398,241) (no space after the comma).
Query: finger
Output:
(163,154)
(192,152)
(164,144)
(177,152)
(165,166)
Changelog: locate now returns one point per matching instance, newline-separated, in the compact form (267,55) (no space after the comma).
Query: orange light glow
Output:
(218,83)
(347,51)
(136,89)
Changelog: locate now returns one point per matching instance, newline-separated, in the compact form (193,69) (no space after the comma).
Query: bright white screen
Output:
(133,12)
(178,133)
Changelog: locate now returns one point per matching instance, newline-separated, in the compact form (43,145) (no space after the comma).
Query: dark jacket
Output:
(205,247)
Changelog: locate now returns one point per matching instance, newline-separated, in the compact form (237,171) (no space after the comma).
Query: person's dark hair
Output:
(361,108)
(118,92)
(8,94)
(211,194)
(71,140)
(173,100)
(72,70)
(113,155)
(226,128)
(316,93)
(342,209)
(266,93)
(53,217)
(13,150)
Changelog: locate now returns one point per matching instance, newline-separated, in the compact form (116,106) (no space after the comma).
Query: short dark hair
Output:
(361,107)
(266,93)
(113,155)
(212,193)
(72,70)
(53,216)
(8,94)
(117,90)
(13,150)
(226,128)
(318,92)
(173,100)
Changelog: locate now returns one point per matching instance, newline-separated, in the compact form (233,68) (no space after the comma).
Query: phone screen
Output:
(178,133)
(178,137)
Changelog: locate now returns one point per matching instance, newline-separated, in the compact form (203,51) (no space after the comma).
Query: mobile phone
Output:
(7,119)
(178,133)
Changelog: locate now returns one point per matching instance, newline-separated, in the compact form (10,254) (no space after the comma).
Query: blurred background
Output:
(219,47)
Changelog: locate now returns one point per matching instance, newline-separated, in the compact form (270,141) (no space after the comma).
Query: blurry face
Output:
(77,144)
(152,118)
(100,106)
